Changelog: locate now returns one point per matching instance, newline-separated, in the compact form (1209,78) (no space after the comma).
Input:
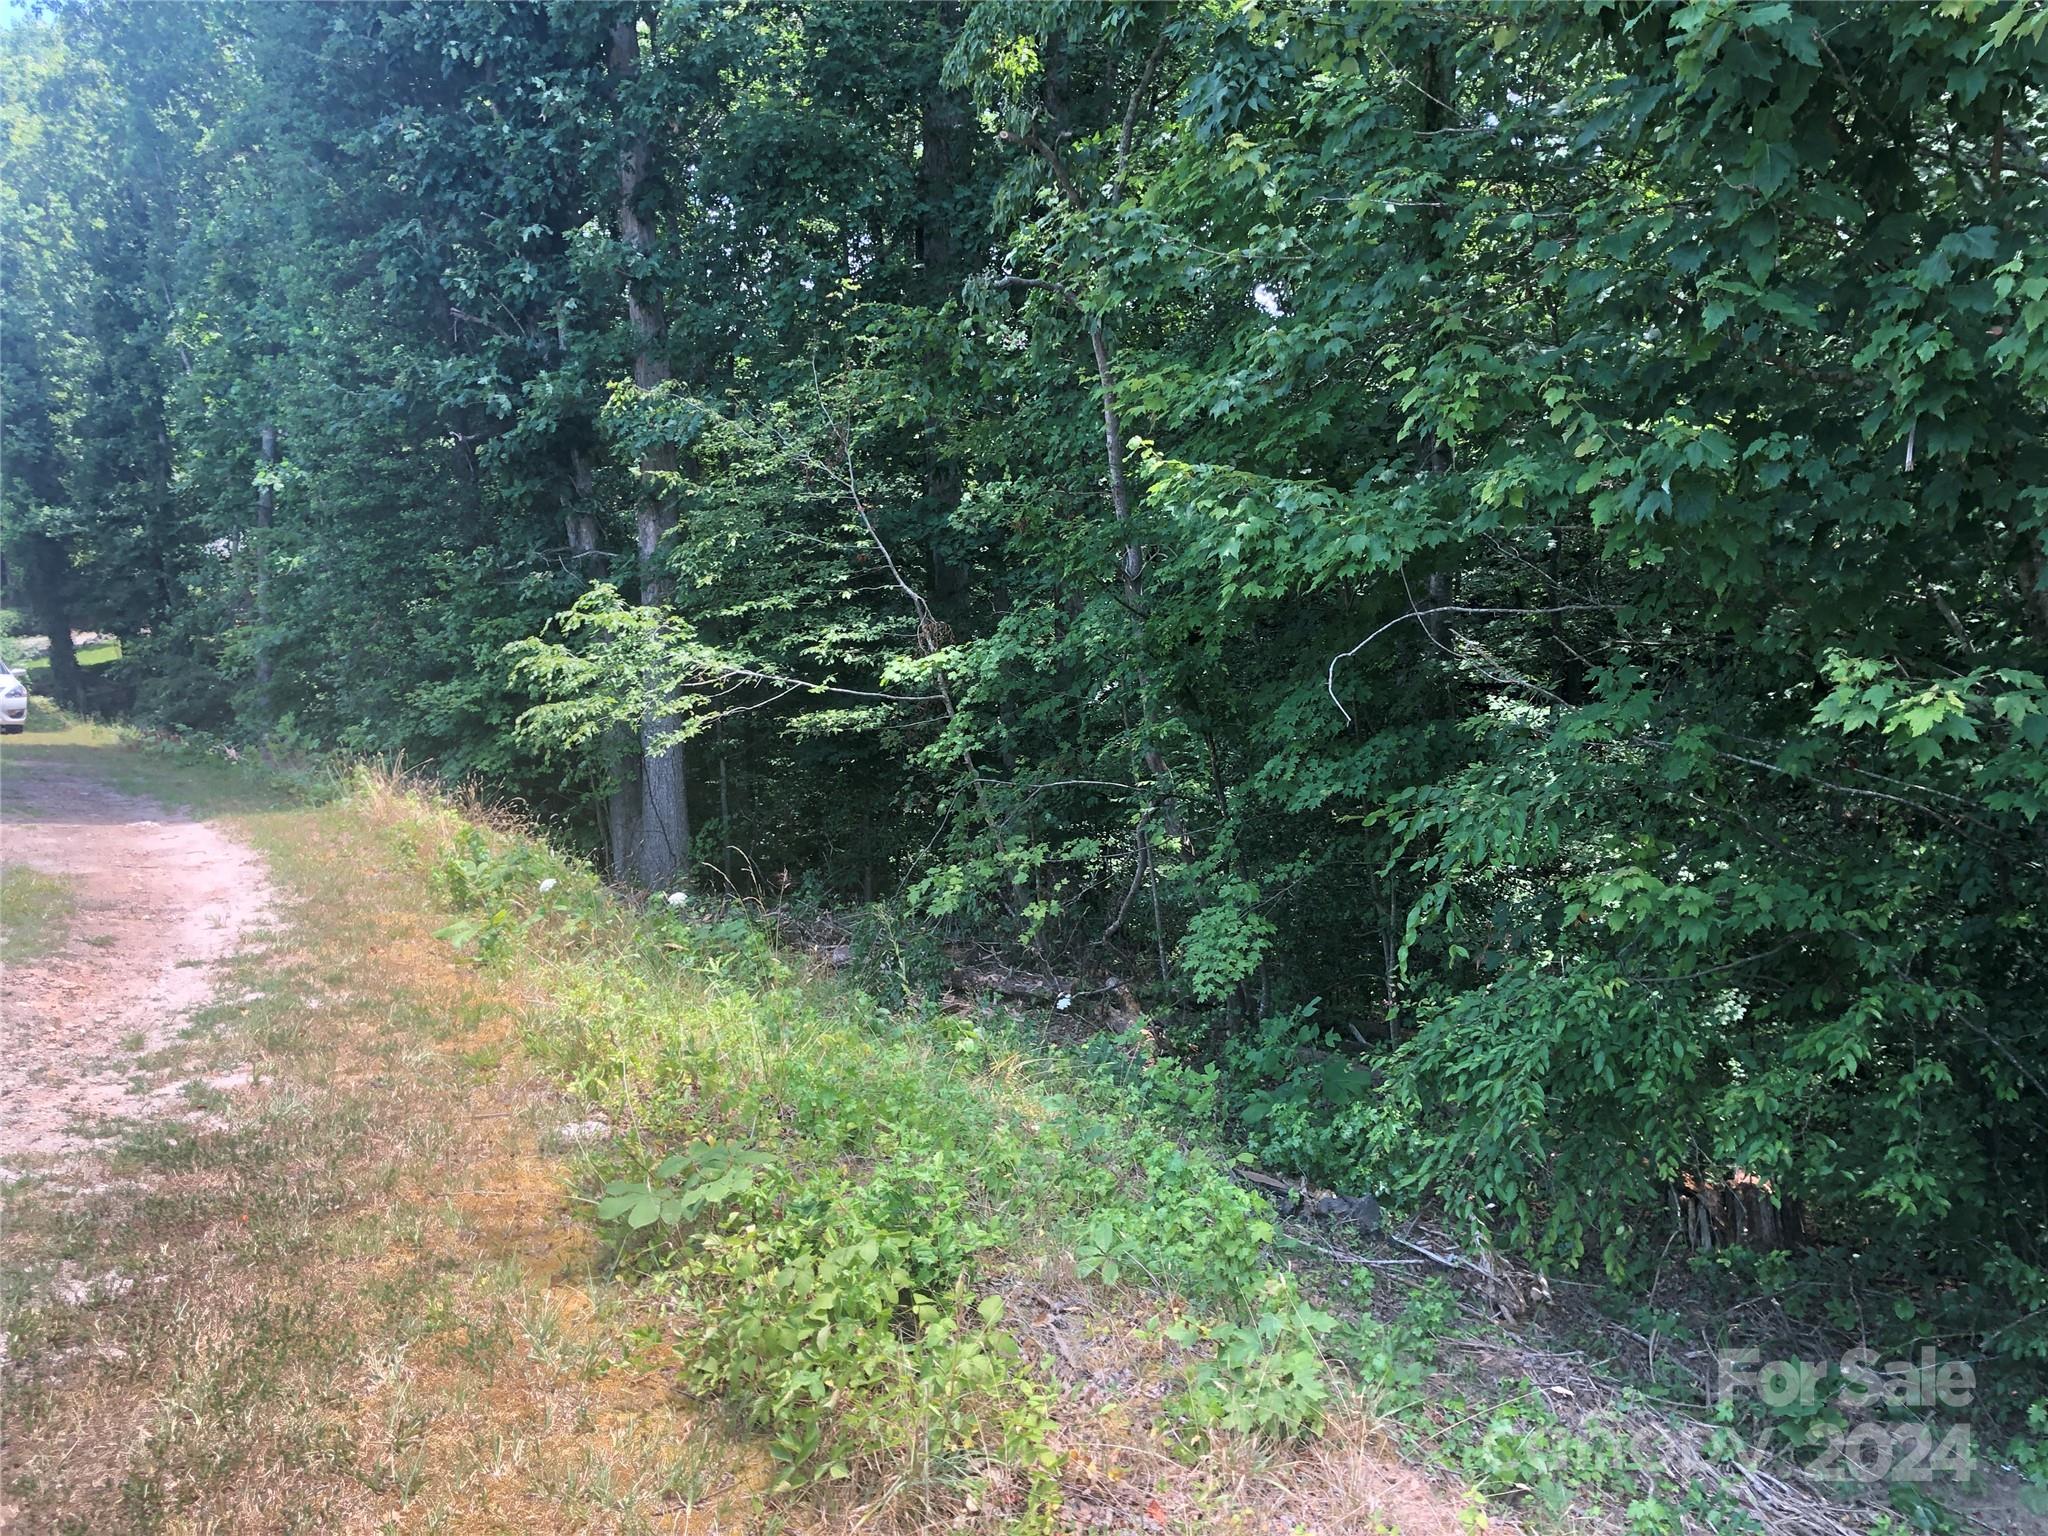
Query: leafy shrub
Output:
(507,887)
(1265,1376)
(839,1314)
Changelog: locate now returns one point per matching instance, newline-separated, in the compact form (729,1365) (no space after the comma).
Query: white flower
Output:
(677,898)
(1064,1003)
(547,885)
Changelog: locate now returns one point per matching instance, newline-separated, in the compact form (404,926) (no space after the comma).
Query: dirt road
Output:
(357,1296)
(158,900)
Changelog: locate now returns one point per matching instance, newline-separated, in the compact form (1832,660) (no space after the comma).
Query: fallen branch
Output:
(1509,1293)
(1346,1258)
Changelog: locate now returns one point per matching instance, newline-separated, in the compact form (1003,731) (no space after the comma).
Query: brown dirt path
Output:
(355,1296)
(161,900)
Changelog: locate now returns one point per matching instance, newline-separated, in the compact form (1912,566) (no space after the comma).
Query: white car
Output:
(13,701)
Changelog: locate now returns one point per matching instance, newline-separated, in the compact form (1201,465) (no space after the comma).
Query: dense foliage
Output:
(1492,562)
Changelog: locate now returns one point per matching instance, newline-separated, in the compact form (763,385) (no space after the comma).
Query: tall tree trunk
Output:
(45,573)
(1439,78)
(621,748)
(1131,577)
(664,842)
(725,829)
(945,147)
(579,515)
(165,538)
(266,512)
(1162,802)
(46,578)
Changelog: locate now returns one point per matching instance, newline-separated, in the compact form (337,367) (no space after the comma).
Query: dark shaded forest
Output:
(1486,566)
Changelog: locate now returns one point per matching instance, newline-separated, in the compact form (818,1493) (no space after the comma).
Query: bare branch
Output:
(1030,140)
(795,684)
(1012,280)
(1330,681)
(1123,145)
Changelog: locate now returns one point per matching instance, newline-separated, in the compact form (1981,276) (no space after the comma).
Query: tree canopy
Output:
(1488,562)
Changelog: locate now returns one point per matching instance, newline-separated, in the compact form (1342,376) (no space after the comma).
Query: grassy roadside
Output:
(962,1273)
(954,1282)
(358,1297)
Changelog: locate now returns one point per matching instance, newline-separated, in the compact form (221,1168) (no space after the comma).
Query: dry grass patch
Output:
(365,1300)
(1124,1468)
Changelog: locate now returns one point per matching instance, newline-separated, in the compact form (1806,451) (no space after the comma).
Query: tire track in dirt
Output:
(161,900)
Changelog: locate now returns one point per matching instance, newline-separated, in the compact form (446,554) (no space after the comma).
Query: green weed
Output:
(35,912)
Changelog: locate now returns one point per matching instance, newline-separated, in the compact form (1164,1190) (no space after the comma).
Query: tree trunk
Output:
(579,516)
(1131,576)
(1438,80)
(1162,799)
(266,512)
(664,840)
(46,576)
(725,832)
(945,147)
(1165,800)
(950,575)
